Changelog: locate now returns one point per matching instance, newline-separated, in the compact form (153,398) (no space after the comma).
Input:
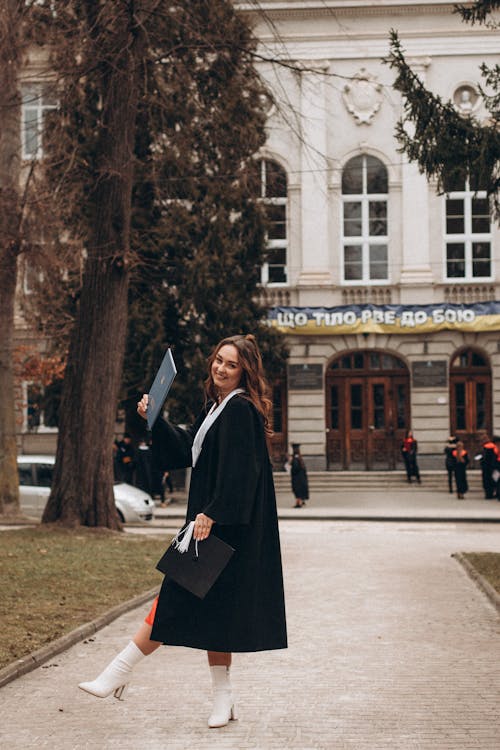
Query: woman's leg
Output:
(116,675)
(223,707)
(142,639)
(218,658)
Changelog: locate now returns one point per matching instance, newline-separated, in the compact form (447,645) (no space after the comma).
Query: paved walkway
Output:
(404,503)
(391,646)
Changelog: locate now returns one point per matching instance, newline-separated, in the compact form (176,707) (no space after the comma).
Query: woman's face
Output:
(226,369)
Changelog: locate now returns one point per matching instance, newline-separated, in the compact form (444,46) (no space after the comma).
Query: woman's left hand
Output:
(202,527)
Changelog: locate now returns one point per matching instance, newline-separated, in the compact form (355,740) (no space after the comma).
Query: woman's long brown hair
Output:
(253,379)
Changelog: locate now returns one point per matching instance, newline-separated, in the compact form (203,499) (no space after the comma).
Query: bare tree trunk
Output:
(82,490)
(10,148)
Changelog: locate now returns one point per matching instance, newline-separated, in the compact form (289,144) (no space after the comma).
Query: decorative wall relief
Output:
(363,96)
(466,99)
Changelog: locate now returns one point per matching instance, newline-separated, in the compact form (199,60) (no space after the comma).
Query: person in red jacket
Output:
(489,465)
(409,449)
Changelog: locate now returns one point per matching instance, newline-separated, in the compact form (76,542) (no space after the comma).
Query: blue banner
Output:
(480,316)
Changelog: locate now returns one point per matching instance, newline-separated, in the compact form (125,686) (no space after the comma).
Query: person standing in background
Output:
(143,477)
(489,464)
(409,448)
(461,461)
(449,460)
(298,473)
(126,459)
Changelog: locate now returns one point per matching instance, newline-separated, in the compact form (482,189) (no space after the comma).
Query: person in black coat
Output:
(409,449)
(232,496)
(461,461)
(125,459)
(449,460)
(489,466)
(298,473)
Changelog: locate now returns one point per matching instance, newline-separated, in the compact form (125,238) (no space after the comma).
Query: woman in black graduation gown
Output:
(298,472)
(461,461)
(231,495)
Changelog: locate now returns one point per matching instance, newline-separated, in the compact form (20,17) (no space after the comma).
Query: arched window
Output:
(364,235)
(467,232)
(271,186)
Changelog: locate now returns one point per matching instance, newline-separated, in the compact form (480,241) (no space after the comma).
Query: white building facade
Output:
(386,291)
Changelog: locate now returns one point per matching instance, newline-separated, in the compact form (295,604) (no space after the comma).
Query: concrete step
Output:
(324,481)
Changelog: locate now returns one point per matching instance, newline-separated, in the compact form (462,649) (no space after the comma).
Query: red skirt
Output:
(151,616)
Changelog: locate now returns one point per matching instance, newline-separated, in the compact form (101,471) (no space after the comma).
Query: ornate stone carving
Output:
(466,99)
(363,96)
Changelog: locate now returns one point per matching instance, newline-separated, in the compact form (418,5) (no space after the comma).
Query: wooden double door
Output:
(470,399)
(368,412)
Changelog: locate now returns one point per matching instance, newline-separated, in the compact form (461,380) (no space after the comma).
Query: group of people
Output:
(457,460)
(135,466)
(456,463)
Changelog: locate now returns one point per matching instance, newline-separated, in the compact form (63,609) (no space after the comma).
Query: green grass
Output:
(53,580)
(488,565)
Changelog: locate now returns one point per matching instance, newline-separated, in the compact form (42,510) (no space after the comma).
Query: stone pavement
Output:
(392,646)
(408,503)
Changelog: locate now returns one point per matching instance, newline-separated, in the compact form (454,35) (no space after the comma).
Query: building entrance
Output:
(367,410)
(470,398)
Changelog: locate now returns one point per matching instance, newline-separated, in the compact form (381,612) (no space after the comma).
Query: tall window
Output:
(470,395)
(272,191)
(468,234)
(37,101)
(364,237)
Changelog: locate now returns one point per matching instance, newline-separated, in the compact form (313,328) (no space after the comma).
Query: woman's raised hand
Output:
(142,406)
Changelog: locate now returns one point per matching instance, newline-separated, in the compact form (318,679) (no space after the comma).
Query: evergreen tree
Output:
(446,144)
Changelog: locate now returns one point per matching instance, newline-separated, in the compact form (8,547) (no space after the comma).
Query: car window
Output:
(44,475)
(25,475)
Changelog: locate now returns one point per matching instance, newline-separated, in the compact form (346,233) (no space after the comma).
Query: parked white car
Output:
(35,478)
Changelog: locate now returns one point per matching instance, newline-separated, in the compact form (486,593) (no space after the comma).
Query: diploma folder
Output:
(160,388)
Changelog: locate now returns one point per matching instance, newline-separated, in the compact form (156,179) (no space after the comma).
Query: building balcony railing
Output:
(275,296)
(469,293)
(374,295)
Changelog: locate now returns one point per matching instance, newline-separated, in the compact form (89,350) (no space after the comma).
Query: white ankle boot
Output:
(116,676)
(223,708)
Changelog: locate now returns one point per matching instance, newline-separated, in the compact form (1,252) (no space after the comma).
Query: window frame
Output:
(468,237)
(365,240)
(274,244)
(36,105)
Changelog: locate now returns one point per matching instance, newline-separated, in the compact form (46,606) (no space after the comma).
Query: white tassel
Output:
(183,538)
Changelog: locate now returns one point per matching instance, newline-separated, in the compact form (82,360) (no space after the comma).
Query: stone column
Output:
(314,163)
(416,257)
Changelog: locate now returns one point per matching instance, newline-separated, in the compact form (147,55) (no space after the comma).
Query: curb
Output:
(37,658)
(165,522)
(478,579)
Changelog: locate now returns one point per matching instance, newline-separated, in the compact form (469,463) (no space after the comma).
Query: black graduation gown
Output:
(231,483)
(461,475)
(300,485)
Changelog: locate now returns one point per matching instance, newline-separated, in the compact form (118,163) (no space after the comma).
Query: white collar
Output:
(212,415)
